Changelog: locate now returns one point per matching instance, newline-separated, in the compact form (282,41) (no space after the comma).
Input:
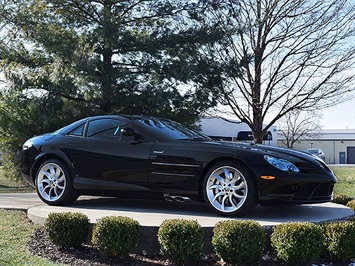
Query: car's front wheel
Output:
(53,183)
(229,189)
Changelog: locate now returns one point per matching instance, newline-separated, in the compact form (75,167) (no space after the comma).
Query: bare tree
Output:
(282,56)
(297,125)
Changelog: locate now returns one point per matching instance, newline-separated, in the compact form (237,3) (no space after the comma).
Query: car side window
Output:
(105,128)
(78,132)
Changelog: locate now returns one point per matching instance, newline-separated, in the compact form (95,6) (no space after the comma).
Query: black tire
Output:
(54,183)
(229,189)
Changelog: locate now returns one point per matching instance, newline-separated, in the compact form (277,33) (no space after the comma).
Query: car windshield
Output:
(58,131)
(170,129)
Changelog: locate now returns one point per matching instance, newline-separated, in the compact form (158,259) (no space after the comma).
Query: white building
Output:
(338,145)
(233,130)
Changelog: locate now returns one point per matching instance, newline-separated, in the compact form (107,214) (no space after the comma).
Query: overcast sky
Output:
(341,116)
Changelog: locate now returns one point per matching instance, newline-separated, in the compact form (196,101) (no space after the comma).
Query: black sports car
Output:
(137,156)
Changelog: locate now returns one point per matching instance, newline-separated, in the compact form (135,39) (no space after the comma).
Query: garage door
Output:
(351,155)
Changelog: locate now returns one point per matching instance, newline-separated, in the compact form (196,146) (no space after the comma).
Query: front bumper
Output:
(28,179)
(27,162)
(295,188)
(305,194)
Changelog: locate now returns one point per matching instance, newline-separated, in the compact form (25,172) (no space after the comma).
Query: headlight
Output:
(281,164)
(27,145)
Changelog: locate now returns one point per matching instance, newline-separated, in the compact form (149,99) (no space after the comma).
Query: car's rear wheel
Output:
(229,189)
(53,183)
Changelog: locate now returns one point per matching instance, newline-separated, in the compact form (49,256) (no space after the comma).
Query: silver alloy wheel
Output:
(226,189)
(51,182)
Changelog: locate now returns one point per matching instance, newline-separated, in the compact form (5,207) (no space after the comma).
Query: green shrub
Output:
(180,240)
(341,199)
(239,242)
(297,243)
(339,243)
(351,204)
(67,229)
(116,235)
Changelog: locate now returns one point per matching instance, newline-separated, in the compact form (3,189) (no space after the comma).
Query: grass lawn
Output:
(13,186)
(15,232)
(346,180)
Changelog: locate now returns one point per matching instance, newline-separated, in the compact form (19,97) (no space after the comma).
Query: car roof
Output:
(125,118)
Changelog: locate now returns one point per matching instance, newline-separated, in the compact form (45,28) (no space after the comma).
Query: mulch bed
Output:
(41,246)
(86,255)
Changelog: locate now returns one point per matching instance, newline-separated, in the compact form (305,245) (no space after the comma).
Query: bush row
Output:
(344,200)
(341,199)
(236,242)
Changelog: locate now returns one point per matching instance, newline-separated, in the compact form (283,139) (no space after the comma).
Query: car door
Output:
(174,163)
(105,154)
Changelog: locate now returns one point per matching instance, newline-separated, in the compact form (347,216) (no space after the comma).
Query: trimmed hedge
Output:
(351,204)
(297,243)
(181,241)
(116,235)
(339,243)
(341,198)
(239,242)
(67,229)
(236,242)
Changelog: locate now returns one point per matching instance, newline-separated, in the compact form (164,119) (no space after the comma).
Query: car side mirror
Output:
(128,131)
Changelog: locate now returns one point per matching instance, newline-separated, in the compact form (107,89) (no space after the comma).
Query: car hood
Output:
(266,149)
